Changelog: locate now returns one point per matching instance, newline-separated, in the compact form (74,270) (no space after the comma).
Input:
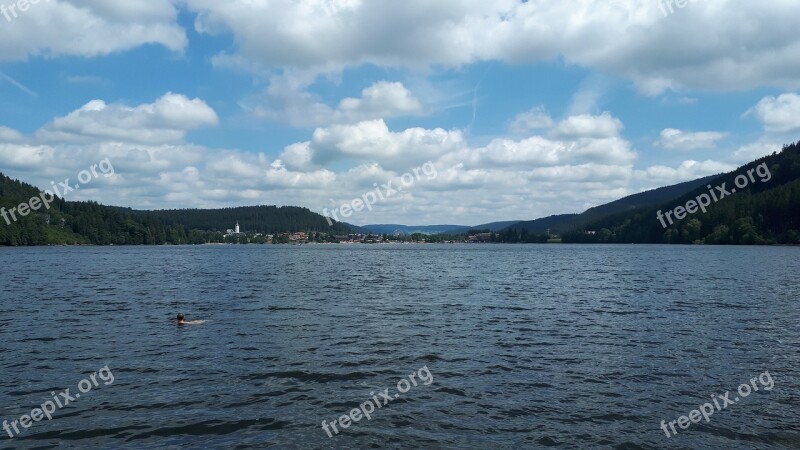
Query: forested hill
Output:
(252,219)
(91,223)
(568,222)
(71,222)
(766,211)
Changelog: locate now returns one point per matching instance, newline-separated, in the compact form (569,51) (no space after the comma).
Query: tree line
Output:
(763,213)
(89,223)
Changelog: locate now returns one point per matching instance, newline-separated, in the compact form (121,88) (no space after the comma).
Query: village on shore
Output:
(237,236)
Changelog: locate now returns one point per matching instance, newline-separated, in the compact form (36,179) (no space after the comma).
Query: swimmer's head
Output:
(180,317)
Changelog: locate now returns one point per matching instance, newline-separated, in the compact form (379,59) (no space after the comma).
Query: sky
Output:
(446,111)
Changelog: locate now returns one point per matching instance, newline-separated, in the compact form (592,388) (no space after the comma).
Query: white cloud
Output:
(579,162)
(505,179)
(166,120)
(299,156)
(88,28)
(535,119)
(538,151)
(673,139)
(607,150)
(10,135)
(755,150)
(702,46)
(586,99)
(372,141)
(589,126)
(659,175)
(534,151)
(590,172)
(25,157)
(381,100)
(779,115)
(286,101)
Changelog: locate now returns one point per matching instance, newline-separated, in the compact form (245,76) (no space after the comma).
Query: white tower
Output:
(237,227)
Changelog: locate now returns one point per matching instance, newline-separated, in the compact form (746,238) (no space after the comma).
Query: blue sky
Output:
(525,109)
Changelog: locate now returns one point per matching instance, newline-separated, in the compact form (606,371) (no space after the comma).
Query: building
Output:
(298,237)
(295,237)
(236,231)
(481,237)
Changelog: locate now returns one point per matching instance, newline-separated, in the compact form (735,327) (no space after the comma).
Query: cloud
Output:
(778,115)
(168,175)
(25,157)
(288,102)
(10,135)
(372,141)
(166,120)
(535,119)
(756,150)
(578,162)
(702,46)
(583,138)
(592,89)
(539,151)
(673,139)
(659,175)
(89,28)
(381,100)
(589,126)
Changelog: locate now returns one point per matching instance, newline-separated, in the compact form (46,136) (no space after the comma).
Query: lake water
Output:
(534,346)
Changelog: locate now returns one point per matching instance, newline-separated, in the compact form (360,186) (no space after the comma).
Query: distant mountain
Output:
(758,203)
(566,222)
(551,223)
(356,229)
(395,229)
(493,226)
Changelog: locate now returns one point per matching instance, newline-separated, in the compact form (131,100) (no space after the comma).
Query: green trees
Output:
(92,223)
(253,219)
(519,236)
(766,211)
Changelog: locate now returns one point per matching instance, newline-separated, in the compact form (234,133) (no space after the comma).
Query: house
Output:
(481,237)
(295,237)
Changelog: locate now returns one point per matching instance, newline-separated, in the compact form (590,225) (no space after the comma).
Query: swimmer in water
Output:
(182,321)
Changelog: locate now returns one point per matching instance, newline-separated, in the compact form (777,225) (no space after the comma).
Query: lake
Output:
(538,346)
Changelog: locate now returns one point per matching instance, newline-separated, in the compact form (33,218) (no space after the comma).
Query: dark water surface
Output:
(528,346)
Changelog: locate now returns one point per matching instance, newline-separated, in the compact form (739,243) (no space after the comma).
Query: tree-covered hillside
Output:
(81,223)
(766,211)
(91,223)
(568,222)
(252,219)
